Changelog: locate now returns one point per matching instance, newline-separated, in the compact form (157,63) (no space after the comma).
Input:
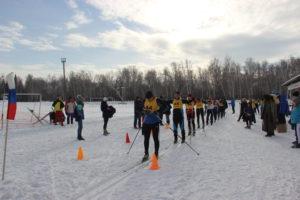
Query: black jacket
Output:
(104,109)
(138,107)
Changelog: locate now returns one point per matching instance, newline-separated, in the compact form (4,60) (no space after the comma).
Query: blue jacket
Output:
(295,115)
(232,102)
(151,118)
(283,105)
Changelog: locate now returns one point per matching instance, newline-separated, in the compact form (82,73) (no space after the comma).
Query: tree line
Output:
(221,79)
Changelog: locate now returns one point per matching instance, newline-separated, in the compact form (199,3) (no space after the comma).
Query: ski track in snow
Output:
(234,163)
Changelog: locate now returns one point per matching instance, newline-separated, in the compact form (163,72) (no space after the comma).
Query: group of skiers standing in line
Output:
(148,116)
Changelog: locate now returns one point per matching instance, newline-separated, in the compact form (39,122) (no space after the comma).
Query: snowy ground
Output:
(234,163)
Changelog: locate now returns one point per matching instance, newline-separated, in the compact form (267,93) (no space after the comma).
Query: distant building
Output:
(293,84)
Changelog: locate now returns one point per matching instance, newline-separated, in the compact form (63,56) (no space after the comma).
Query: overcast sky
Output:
(100,35)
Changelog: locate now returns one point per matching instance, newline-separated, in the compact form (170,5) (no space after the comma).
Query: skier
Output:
(221,110)
(210,110)
(178,117)
(225,104)
(253,105)
(257,105)
(216,109)
(200,111)
(248,113)
(190,114)
(232,102)
(69,109)
(295,118)
(242,108)
(79,115)
(58,106)
(268,115)
(107,112)
(150,124)
(138,112)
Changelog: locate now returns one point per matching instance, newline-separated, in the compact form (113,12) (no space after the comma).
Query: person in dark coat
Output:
(79,116)
(269,116)
(138,112)
(248,115)
(164,109)
(243,105)
(105,115)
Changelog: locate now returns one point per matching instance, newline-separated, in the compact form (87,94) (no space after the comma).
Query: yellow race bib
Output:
(177,104)
(151,105)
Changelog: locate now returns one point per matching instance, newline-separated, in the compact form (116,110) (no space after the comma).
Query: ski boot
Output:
(183,137)
(296,146)
(105,133)
(145,158)
(175,139)
(194,132)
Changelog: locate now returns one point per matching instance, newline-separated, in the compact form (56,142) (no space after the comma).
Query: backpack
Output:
(111,111)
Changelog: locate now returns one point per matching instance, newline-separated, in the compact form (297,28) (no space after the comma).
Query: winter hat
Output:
(149,95)
(105,99)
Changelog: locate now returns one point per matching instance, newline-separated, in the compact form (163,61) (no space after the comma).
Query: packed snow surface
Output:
(234,163)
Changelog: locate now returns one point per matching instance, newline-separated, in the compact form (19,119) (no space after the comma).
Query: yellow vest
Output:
(199,104)
(57,107)
(151,105)
(177,104)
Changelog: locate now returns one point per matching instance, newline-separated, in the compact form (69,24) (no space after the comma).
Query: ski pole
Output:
(194,150)
(134,140)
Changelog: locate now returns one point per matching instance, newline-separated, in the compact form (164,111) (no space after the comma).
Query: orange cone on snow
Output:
(154,163)
(80,154)
(127,139)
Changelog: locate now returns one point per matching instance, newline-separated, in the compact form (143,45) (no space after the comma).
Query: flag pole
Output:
(4,152)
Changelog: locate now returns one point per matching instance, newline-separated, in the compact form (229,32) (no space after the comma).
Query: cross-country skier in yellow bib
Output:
(190,114)
(150,124)
(200,112)
(178,117)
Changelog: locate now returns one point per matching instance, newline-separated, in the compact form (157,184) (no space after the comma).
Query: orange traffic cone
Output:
(80,154)
(127,139)
(154,163)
